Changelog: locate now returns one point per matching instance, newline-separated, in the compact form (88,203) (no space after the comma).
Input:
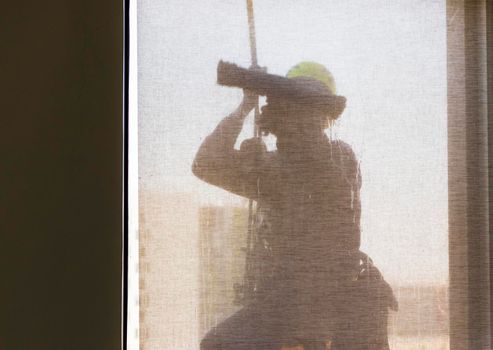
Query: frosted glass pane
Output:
(388,59)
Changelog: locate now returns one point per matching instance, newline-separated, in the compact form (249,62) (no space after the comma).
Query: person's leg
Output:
(314,345)
(248,329)
(233,333)
(364,327)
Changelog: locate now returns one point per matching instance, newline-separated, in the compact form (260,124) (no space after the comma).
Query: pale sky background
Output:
(388,58)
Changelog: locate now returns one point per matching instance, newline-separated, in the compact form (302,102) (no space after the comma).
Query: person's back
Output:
(314,205)
(313,232)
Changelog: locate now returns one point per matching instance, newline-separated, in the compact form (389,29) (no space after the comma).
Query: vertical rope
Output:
(253,56)
(249,284)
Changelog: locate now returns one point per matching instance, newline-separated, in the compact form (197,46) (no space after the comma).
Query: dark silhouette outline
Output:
(314,284)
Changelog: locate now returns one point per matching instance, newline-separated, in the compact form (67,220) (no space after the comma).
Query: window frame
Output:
(469,86)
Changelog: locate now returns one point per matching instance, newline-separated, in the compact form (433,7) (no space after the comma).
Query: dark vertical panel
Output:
(125,250)
(468,175)
(489,33)
(458,284)
(61,174)
(477,174)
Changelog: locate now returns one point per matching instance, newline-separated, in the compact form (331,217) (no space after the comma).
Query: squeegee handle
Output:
(251,30)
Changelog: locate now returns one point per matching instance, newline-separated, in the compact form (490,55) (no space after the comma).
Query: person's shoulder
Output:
(344,148)
(343,153)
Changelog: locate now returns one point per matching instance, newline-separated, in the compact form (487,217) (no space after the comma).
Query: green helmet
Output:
(313,70)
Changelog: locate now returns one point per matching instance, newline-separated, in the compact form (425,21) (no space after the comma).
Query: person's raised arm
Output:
(218,163)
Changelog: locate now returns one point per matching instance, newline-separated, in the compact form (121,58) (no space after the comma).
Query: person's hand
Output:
(250,99)
(249,102)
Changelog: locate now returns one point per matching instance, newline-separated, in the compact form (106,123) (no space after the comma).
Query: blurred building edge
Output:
(222,242)
(423,312)
(168,268)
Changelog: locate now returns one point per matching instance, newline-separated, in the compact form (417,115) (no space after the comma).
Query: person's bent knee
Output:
(210,342)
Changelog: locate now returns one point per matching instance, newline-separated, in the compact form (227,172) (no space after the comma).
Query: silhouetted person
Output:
(308,192)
